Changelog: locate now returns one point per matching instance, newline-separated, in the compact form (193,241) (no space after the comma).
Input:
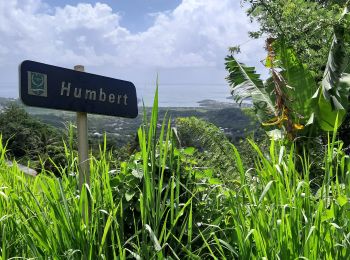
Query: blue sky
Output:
(183,42)
(135,13)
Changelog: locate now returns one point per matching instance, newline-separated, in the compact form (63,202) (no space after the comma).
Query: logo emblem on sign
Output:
(37,84)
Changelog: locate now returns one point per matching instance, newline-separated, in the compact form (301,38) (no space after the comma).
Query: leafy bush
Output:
(214,149)
(30,140)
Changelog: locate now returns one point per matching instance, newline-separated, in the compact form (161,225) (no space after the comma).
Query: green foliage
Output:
(311,27)
(214,149)
(245,83)
(280,216)
(160,204)
(305,25)
(333,92)
(29,139)
(300,82)
(292,88)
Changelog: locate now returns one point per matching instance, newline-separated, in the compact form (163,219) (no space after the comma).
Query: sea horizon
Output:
(173,95)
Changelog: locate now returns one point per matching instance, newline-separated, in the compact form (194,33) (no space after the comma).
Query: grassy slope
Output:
(159,205)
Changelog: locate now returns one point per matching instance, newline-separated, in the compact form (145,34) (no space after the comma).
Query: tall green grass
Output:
(139,208)
(280,216)
(159,205)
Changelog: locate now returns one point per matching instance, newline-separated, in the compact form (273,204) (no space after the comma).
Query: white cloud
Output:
(194,35)
(69,34)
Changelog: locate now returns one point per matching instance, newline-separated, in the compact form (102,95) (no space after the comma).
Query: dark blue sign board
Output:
(48,86)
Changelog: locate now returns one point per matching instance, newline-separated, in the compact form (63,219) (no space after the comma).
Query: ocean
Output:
(183,95)
(171,95)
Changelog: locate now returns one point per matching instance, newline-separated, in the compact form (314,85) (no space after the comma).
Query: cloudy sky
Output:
(183,42)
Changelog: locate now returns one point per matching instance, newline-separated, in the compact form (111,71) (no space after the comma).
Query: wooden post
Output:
(83,147)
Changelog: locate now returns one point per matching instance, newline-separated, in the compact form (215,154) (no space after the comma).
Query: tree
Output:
(305,25)
(287,97)
(29,139)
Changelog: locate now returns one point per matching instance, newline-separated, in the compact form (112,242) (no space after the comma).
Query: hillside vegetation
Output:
(161,204)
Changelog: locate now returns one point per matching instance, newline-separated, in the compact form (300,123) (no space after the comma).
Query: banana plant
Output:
(332,95)
(283,102)
(246,84)
(291,100)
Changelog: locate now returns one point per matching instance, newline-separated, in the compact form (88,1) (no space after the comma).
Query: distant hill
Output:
(228,116)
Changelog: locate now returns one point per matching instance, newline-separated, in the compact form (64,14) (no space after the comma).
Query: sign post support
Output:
(83,148)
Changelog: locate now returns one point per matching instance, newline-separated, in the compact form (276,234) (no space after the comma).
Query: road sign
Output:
(47,86)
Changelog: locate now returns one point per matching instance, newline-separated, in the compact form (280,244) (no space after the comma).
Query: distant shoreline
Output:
(205,103)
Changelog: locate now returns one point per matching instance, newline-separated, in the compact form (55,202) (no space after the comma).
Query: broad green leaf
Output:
(328,214)
(189,150)
(208,173)
(129,196)
(214,181)
(301,84)
(245,84)
(337,58)
(342,200)
(333,97)
(327,115)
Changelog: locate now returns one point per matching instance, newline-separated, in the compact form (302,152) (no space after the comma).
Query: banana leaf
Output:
(246,84)
(333,93)
(301,84)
